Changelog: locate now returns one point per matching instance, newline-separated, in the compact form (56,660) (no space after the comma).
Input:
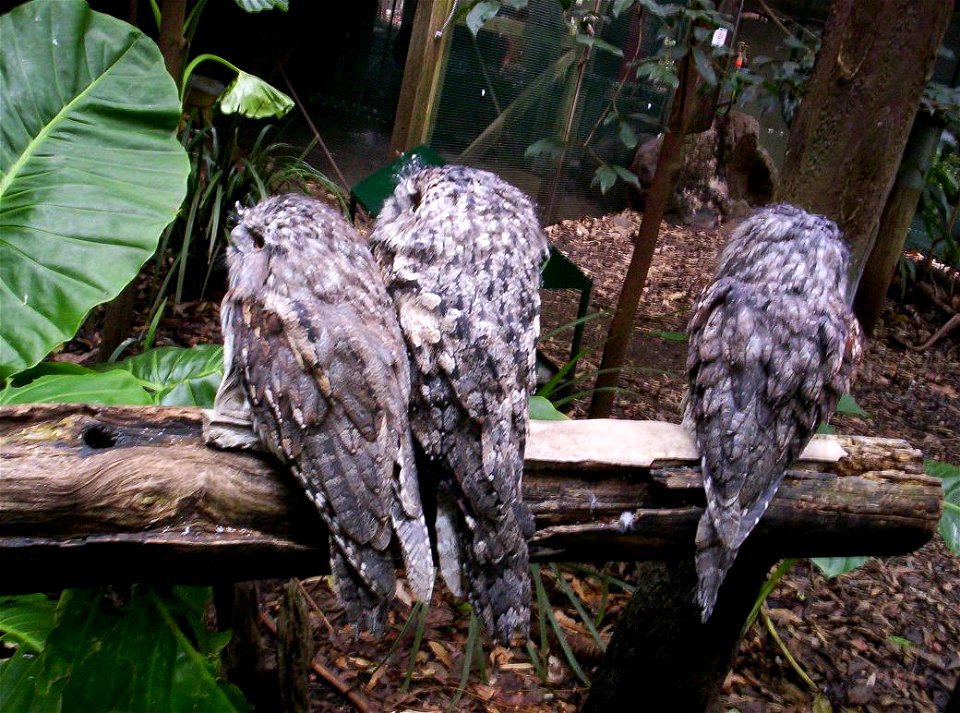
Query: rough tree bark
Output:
(92,494)
(660,635)
(845,146)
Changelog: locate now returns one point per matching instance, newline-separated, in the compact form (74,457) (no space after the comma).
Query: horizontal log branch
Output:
(93,494)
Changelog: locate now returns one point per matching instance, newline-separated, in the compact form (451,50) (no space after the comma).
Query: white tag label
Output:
(719,37)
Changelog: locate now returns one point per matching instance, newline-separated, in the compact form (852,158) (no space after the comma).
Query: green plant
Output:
(777,84)
(544,615)
(153,650)
(135,649)
(92,170)
(685,30)
(939,210)
(950,520)
(224,174)
(166,376)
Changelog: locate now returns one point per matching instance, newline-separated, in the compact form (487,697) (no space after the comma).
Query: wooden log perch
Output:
(92,494)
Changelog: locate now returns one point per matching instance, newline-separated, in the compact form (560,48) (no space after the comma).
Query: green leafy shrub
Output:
(939,209)
(92,172)
(950,520)
(135,650)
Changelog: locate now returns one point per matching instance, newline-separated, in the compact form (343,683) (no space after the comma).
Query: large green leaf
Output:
(26,620)
(170,376)
(832,567)
(91,168)
(950,520)
(17,691)
(541,409)
(150,652)
(112,388)
(480,13)
(261,5)
(177,376)
(254,98)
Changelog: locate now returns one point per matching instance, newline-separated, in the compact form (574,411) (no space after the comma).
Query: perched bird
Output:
(461,251)
(313,352)
(773,345)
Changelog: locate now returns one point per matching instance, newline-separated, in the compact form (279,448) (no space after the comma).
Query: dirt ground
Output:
(885,637)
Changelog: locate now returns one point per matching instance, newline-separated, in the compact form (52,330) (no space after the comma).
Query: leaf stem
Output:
(786,652)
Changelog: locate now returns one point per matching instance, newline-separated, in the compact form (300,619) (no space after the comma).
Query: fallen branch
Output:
(951,324)
(94,494)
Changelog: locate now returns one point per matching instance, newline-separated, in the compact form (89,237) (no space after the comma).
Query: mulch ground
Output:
(885,637)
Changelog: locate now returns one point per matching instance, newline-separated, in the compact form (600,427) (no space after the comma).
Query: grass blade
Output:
(772,581)
(578,605)
(543,602)
(473,634)
(415,647)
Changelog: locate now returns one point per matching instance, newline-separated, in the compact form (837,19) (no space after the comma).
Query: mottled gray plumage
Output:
(311,341)
(773,345)
(461,251)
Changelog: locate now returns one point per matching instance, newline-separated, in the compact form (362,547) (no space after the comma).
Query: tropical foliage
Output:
(92,170)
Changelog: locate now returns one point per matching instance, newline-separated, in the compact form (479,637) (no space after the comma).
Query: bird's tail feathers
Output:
(500,595)
(415,547)
(489,563)
(752,515)
(714,559)
(411,529)
(365,609)
(497,566)
(450,543)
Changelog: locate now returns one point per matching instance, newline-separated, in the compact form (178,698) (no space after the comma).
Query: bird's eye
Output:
(257,240)
(415,199)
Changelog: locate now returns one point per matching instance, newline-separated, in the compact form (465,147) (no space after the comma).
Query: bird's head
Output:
(784,245)
(273,223)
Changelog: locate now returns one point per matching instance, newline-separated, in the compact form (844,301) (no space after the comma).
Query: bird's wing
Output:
(462,264)
(760,374)
(323,401)
(471,325)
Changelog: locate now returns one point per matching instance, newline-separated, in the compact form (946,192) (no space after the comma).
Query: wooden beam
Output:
(90,494)
(422,76)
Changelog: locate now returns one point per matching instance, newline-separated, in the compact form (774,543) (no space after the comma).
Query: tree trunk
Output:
(171,40)
(845,146)
(661,657)
(118,318)
(246,663)
(669,162)
(895,222)
(294,650)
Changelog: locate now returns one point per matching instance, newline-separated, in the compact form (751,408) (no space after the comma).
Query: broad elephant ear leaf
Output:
(112,388)
(177,376)
(91,168)
(261,5)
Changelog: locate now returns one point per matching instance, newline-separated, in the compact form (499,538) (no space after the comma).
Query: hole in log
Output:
(98,437)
